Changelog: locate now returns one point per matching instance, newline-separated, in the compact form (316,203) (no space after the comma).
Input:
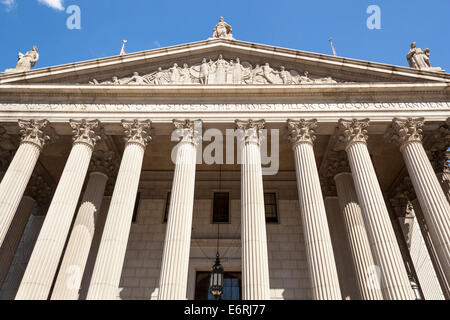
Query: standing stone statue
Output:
(222,30)
(204,72)
(221,66)
(238,71)
(26,61)
(419,59)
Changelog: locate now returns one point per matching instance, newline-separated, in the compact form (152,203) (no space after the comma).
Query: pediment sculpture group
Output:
(220,71)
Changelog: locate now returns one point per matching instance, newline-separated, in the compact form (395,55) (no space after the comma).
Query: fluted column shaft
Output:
(177,244)
(9,247)
(319,249)
(394,279)
(438,268)
(12,282)
(16,178)
(111,253)
(434,204)
(407,133)
(444,180)
(77,251)
(357,236)
(43,264)
(255,262)
(385,250)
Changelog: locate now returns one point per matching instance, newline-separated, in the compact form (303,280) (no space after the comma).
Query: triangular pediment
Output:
(222,61)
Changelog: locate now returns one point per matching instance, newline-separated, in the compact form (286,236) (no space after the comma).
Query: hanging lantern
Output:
(216,285)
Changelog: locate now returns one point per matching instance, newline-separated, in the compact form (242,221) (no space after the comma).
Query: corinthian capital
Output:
(404,131)
(32,131)
(137,132)
(251,130)
(104,162)
(188,130)
(336,162)
(301,131)
(39,190)
(85,132)
(353,131)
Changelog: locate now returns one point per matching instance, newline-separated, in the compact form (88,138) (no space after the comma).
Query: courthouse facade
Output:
(99,201)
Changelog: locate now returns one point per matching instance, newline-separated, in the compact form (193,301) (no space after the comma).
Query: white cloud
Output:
(9,4)
(55,4)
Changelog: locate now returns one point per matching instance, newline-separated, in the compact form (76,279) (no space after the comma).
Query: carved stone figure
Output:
(238,72)
(185,74)
(175,74)
(222,30)
(419,59)
(268,72)
(204,72)
(285,76)
(25,61)
(218,72)
(257,75)
(161,77)
(221,66)
(136,79)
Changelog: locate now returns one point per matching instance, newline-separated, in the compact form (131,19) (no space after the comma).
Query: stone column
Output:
(407,133)
(255,262)
(12,239)
(16,178)
(111,253)
(177,244)
(319,250)
(37,195)
(43,264)
(341,249)
(440,156)
(20,261)
(357,236)
(71,272)
(438,268)
(386,253)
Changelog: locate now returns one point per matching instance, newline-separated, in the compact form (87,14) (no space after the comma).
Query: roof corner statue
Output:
(25,61)
(222,30)
(419,59)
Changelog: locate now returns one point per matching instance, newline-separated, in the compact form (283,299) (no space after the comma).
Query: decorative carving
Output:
(352,131)
(189,130)
(104,162)
(438,151)
(403,131)
(40,191)
(85,131)
(251,130)
(301,131)
(328,186)
(25,61)
(32,131)
(218,72)
(402,194)
(222,30)
(137,132)
(336,162)
(419,59)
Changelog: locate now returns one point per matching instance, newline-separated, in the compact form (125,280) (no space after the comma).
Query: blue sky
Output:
(297,24)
